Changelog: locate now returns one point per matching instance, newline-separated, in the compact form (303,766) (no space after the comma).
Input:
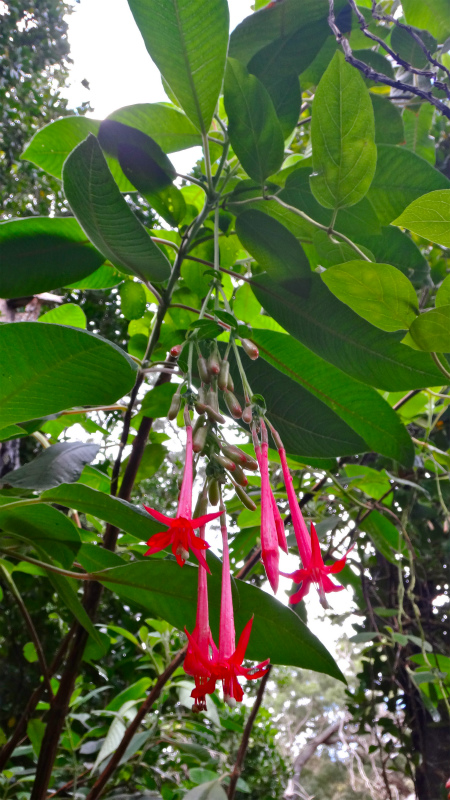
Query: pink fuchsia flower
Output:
(205,682)
(270,530)
(301,531)
(181,528)
(316,572)
(226,666)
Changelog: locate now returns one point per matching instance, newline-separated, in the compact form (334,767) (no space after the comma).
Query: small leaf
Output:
(66,314)
(29,651)
(379,293)
(253,127)
(408,48)
(212,790)
(42,253)
(188,45)
(133,300)
(342,136)
(61,463)
(95,199)
(431,330)
(156,402)
(429,216)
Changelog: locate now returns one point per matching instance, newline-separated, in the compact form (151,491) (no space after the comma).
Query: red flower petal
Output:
(158,516)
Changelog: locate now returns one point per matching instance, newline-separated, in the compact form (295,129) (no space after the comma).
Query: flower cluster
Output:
(205,662)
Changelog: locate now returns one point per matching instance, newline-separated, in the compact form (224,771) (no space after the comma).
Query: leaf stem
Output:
(440,365)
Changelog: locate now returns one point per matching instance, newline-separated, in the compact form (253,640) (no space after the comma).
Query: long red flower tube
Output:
(181,528)
(269,531)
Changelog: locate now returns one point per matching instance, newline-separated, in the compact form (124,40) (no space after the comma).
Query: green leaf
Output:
(417,129)
(67,314)
(167,125)
(443,294)
(61,463)
(360,406)
(48,368)
(279,22)
(133,300)
(156,402)
(35,733)
(104,277)
(142,160)
(152,458)
(274,247)
(375,483)
(253,127)
(213,790)
(42,253)
(379,293)
(123,515)
(431,330)
(333,331)
(401,177)
(429,216)
(407,48)
(342,137)
(331,250)
(385,536)
(286,96)
(51,145)
(277,632)
(396,248)
(95,199)
(388,120)
(434,15)
(45,528)
(318,431)
(29,652)
(188,41)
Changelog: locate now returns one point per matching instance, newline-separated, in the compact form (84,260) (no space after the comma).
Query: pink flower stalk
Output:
(315,571)
(205,682)
(181,528)
(269,529)
(227,665)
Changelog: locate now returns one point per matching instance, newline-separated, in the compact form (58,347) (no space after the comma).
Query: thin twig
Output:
(246,737)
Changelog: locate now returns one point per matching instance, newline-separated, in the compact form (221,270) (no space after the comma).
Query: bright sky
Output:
(108,52)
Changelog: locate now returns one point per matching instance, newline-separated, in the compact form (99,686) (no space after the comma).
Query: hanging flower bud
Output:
(175,404)
(247,415)
(211,399)
(225,462)
(244,498)
(200,405)
(214,416)
(201,506)
(199,438)
(203,370)
(239,476)
(214,363)
(233,405)
(214,492)
(224,374)
(230,383)
(176,350)
(233,452)
(250,348)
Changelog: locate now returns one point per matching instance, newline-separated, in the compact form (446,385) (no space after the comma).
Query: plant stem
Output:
(440,365)
(100,783)
(246,737)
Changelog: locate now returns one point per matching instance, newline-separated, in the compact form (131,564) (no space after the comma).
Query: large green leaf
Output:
(388,121)
(253,127)
(286,96)
(67,590)
(342,137)
(132,147)
(47,368)
(431,330)
(409,49)
(61,463)
(354,222)
(274,22)
(395,247)
(278,633)
(123,515)
(333,331)
(95,200)
(385,536)
(274,247)
(379,293)
(317,431)
(42,253)
(433,15)
(358,405)
(417,126)
(401,177)
(167,125)
(45,527)
(429,216)
(66,314)
(290,54)
(188,41)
